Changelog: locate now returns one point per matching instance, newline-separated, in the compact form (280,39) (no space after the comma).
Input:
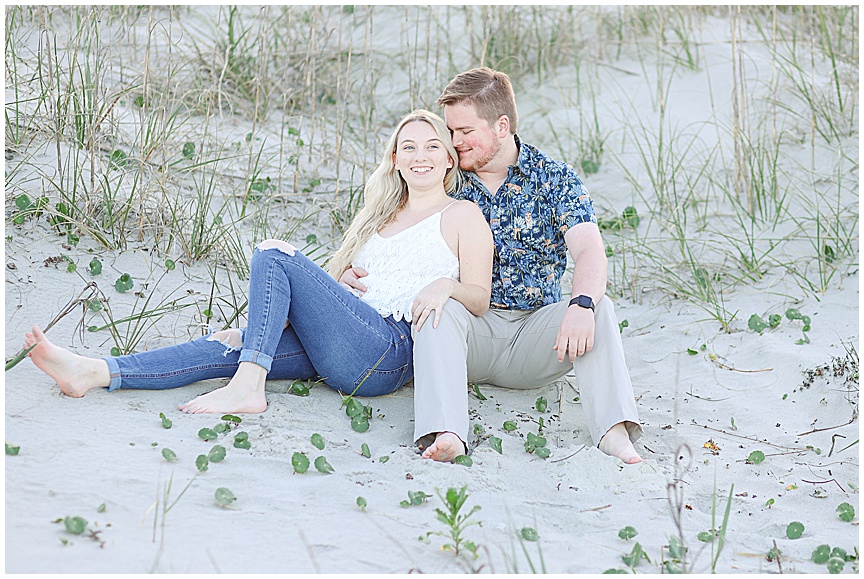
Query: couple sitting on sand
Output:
(424,289)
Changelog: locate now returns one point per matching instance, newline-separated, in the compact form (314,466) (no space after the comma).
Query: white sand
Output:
(77,454)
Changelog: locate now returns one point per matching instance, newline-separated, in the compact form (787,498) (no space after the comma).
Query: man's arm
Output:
(350,279)
(576,333)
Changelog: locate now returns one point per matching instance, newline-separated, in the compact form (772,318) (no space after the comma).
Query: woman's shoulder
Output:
(463,211)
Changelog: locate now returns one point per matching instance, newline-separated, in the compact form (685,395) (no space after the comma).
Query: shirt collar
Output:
(523,162)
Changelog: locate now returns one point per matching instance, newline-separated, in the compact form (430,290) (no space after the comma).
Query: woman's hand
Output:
(431,299)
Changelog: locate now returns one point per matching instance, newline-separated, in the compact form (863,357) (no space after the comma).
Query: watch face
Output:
(585,302)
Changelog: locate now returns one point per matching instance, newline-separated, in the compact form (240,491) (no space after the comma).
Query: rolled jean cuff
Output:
(256,357)
(114,368)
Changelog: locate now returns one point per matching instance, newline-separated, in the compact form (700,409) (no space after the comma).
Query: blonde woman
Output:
(419,247)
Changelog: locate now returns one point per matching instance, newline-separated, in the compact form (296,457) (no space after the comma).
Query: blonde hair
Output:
(386,193)
(488,91)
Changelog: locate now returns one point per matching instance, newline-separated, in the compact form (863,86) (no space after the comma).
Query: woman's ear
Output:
(395,163)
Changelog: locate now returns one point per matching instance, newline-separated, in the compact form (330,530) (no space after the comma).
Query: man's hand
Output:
(576,334)
(350,279)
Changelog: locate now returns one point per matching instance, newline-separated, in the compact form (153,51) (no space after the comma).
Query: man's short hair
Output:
(488,91)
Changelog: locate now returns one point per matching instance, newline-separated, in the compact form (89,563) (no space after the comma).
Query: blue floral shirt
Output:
(529,215)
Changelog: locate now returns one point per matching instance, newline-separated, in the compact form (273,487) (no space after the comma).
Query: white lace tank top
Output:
(401,265)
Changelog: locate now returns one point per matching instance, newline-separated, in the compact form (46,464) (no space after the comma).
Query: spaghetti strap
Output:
(448,206)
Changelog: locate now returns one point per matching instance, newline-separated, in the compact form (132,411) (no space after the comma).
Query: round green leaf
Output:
(495,443)
(627,533)
(169,455)
(529,534)
(244,444)
(22,202)
(756,323)
(299,389)
(756,457)
(360,423)
(510,426)
(75,525)
(300,462)
(383,459)
(221,428)
(705,536)
(170,265)
(224,497)
(835,565)
(361,502)
(630,216)
(542,452)
(540,404)
(846,512)
(321,465)
(477,429)
(101,508)
(12,450)
(202,463)
(354,407)
(794,530)
(821,554)
(217,453)
(95,266)
(207,434)
(464,460)
(188,149)
(364,450)
(317,441)
(232,418)
(115,351)
(166,423)
(123,283)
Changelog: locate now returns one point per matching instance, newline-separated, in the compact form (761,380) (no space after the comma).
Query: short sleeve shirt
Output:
(529,214)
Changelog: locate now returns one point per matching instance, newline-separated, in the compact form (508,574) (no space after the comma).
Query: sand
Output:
(707,400)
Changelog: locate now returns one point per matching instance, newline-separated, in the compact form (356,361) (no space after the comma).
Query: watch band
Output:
(583,301)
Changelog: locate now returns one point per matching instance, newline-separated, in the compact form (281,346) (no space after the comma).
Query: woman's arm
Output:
(464,227)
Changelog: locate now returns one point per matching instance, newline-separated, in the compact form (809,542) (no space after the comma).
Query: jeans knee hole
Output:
(277,244)
(231,339)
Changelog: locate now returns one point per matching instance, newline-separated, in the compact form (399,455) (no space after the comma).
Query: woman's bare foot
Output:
(446,447)
(616,442)
(75,374)
(243,394)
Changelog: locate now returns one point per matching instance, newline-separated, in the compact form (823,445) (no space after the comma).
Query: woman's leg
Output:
(348,343)
(213,356)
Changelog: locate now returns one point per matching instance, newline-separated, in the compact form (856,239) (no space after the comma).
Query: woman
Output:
(420,248)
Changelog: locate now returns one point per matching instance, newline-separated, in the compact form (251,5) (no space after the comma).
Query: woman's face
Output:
(421,158)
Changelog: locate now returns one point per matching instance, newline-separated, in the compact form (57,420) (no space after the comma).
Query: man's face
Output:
(475,140)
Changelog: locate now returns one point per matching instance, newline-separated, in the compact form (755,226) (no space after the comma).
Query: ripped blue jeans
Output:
(332,335)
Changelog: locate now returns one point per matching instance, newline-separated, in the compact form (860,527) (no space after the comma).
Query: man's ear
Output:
(502,125)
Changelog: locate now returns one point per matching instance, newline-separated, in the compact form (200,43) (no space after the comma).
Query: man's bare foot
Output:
(75,374)
(616,442)
(446,447)
(243,394)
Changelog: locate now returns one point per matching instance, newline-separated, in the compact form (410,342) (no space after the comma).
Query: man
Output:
(538,210)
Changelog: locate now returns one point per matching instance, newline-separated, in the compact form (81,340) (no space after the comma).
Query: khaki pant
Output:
(513,349)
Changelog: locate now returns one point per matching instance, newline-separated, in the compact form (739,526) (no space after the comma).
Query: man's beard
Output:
(484,160)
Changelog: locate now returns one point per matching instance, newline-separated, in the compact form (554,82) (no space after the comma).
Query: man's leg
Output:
(441,375)
(460,349)
(602,375)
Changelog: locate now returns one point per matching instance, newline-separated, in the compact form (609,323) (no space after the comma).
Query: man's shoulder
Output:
(533,160)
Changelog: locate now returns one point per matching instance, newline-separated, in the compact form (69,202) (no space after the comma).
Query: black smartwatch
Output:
(583,301)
